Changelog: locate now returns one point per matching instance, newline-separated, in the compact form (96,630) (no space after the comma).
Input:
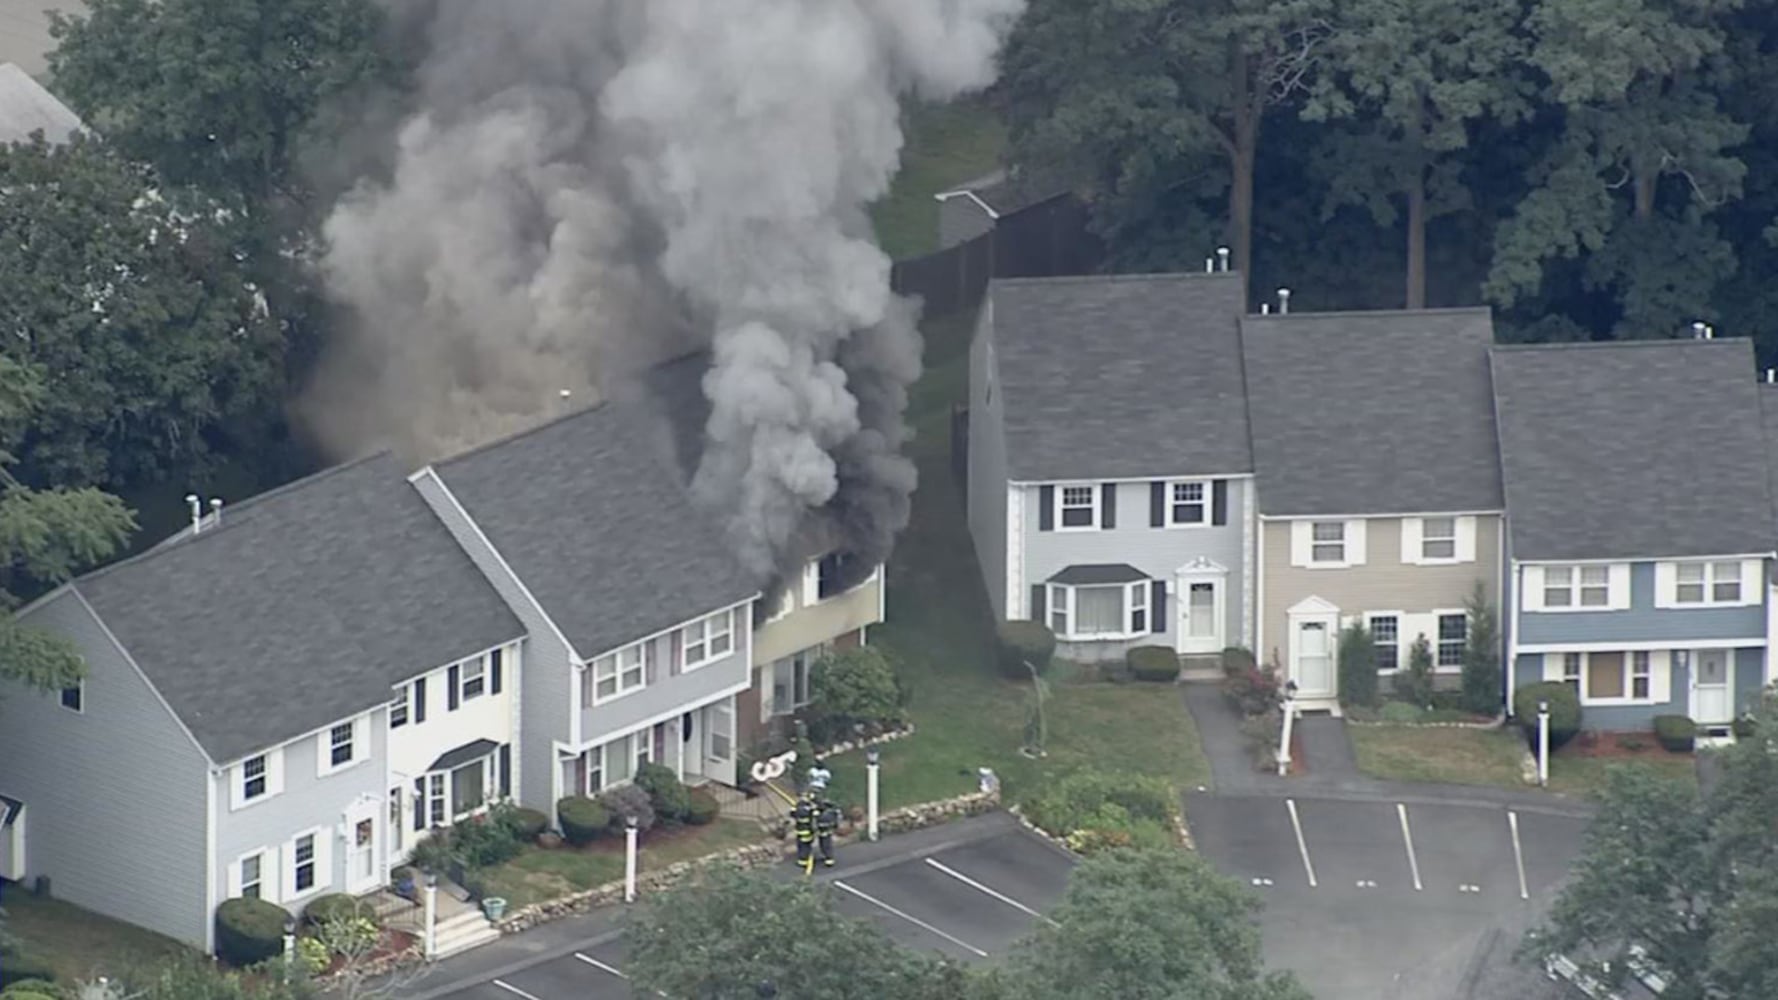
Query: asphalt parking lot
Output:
(1386,899)
(971,901)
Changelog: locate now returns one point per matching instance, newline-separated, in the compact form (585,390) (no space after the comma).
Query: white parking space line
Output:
(1512,819)
(1407,837)
(1301,844)
(910,918)
(973,884)
(595,963)
(515,991)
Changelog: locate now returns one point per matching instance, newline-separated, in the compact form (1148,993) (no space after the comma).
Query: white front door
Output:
(719,745)
(1314,673)
(363,873)
(1711,702)
(1200,615)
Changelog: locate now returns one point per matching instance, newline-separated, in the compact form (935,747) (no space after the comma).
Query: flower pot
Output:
(494,907)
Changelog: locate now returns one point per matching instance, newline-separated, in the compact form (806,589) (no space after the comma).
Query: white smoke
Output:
(577,175)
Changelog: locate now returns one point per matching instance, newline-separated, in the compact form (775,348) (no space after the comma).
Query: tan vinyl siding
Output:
(812,625)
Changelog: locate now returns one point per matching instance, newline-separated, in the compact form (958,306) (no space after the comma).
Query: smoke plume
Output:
(584,187)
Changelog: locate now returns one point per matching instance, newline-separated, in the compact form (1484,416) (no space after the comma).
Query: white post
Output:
(872,768)
(630,859)
(1543,743)
(289,946)
(1284,735)
(431,916)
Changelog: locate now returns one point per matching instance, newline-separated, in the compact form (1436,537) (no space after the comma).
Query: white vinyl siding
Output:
(1707,583)
(1577,587)
(1438,541)
(1331,544)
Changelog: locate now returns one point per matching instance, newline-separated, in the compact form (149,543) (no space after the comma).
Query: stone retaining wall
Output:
(847,746)
(1491,724)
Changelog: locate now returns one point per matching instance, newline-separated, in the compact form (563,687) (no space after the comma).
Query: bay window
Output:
(1099,610)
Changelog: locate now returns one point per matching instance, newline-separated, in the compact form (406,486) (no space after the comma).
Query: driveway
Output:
(24,31)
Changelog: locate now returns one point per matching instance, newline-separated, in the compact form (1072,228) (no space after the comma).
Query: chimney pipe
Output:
(197,512)
(1771,375)
(1709,332)
(215,511)
(1222,254)
(1209,265)
(1283,300)
(1265,308)
(1698,330)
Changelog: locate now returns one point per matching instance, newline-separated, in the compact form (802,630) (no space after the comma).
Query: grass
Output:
(946,145)
(80,943)
(538,874)
(1491,757)
(939,633)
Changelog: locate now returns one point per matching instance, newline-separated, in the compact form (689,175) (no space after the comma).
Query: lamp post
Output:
(1543,743)
(431,915)
(289,946)
(1284,731)
(630,833)
(872,771)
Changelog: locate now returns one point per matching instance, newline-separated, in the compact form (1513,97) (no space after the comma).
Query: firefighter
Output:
(803,819)
(827,820)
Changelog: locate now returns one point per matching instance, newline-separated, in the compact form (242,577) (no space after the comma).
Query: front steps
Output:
(466,930)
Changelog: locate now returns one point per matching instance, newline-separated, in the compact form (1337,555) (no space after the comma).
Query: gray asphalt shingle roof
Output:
(304,606)
(1768,397)
(1645,449)
(591,515)
(25,107)
(1372,412)
(1126,376)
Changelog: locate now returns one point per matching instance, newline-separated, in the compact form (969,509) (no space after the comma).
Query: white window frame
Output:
(1202,503)
(1136,598)
(703,637)
(1428,539)
(271,878)
(258,883)
(1094,494)
(786,604)
(1370,620)
(1654,668)
(1317,543)
(1570,579)
(616,666)
(321,860)
(273,763)
(358,741)
(1439,641)
(473,670)
(800,695)
(1713,576)
(401,709)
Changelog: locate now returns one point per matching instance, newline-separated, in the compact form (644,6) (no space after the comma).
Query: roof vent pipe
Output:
(215,512)
(1698,330)
(1209,265)
(1222,254)
(1283,300)
(1709,332)
(1771,376)
(1265,308)
(197,512)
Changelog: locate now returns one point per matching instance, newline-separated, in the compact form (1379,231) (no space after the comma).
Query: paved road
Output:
(24,31)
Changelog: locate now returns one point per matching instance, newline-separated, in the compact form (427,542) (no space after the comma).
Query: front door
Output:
(1314,659)
(1711,701)
(719,751)
(1200,616)
(362,871)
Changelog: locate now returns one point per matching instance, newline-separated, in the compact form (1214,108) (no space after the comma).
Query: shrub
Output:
(1253,690)
(1413,683)
(855,687)
(314,956)
(1676,733)
(703,807)
(1745,727)
(486,840)
(1022,642)
(1153,663)
(32,989)
(249,931)
(1482,669)
(334,906)
(1237,659)
(1074,801)
(666,793)
(1402,713)
(1564,711)
(20,966)
(628,800)
(528,823)
(1358,666)
(1113,827)
(583,820)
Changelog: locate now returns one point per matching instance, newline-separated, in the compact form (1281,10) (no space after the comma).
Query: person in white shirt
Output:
(819,776)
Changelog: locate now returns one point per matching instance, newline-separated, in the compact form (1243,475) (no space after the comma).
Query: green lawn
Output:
(1490,757)
(538,874)
(80,944)
(946,145)
(940,634)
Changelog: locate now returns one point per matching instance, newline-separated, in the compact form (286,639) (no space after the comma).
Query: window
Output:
(1571,671)
(1099,611)
(304,862)
(595,773)
(1328,540)
(253,778)
(1386,635)
(1605,675)
(1188,504)
(473,679)
(1618,676)
(1707,583)
(1078,507)
(74,698)
(250,877)
(1453,633)
(469,788)
(1438,538)
(619,673)
(1561,583)
(790,682)
(339,740)
(435,796)
(709,639)
(786,604)
(398,708)
(1639,674)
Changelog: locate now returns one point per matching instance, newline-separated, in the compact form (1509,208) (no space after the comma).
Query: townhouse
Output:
(1378,483)
(262,691)
(1641,532)
(1109,471)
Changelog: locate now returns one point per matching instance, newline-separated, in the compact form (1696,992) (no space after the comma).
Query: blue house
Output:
(1640,526)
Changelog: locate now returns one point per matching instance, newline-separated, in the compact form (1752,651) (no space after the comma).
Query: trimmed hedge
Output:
(528,823)
(32,989)
(1153,663)
(333,907)
(1564,711)
(249,931)
(1676,733)
(1092,799)
(666,793)
(1024,642)
(704,808)
(583,820)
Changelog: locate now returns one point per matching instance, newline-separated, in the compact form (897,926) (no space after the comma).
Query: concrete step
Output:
(1200,667)
(460,933)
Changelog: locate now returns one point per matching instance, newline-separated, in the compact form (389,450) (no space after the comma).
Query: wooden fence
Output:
(1047,239)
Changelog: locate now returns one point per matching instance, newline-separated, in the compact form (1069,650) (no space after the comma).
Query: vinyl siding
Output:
(809,625)
(987,499)
(114,797)
(1749,667)
(668,690)
(1750,678)
(1642,621)
(1157,552)
(546,688)
(1382,583)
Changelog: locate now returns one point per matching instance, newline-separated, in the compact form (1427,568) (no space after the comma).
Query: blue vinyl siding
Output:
(1750,677)
(1642,621)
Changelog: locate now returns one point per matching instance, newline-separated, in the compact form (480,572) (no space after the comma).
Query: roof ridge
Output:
(604,403)
(1350,313)
(1578,345)
(1098,279)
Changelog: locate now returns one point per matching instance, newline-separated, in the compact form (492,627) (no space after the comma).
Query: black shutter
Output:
(1219,501)
(1157,505)
(419,709)
(494,665)
(452,688)
(1046,508)
(1157,607)
(505,770)
(1108,505)
(1037,610)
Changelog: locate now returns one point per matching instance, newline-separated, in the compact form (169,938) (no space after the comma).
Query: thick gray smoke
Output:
(584,182)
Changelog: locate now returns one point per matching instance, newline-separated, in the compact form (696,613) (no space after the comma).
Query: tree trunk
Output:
(1645,193)
(1417,238)
(1241,191)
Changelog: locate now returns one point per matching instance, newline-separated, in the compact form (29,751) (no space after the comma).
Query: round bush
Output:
(583,820)
(1676,733)
(704,808)
(334,907)
(666,793)
(628,800)
(1564,710)
(528,823)
(853,688)
(1153,663)
(18,967)
(1023,642)
(249,931)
